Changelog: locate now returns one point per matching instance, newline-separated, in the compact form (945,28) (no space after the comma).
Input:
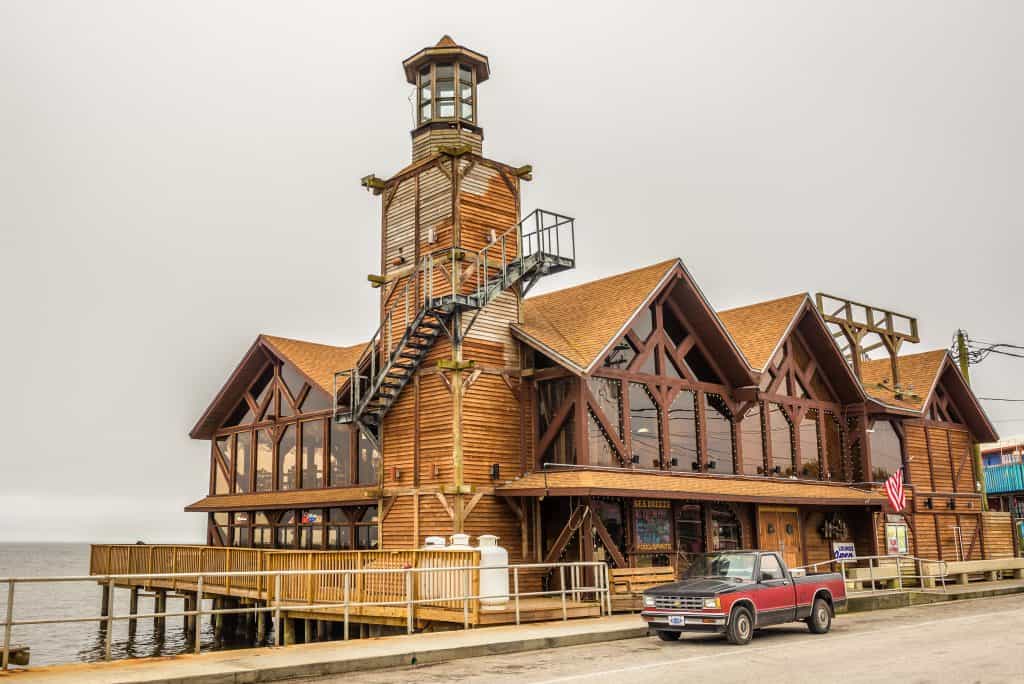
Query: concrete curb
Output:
(859,604)
(257,665)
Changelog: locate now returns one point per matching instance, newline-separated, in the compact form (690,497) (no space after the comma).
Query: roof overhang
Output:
(654,485)
(298,498)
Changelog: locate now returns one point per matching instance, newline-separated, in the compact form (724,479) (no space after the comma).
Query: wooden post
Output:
(190,620)
(160,606)
(218,619)
(965,368)
(261,625)
(307,631)
(323,630)
(105,599)
(289,631)
(133,610)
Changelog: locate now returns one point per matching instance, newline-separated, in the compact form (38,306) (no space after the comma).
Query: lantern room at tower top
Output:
(622,419)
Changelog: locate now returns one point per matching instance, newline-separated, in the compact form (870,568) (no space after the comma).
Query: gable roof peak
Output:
(759,328)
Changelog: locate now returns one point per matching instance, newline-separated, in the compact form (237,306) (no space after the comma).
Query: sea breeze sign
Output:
(843,551)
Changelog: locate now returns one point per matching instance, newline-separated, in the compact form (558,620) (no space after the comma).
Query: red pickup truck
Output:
(736,592)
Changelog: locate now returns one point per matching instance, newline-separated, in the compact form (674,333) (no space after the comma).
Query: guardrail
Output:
(573,585)
(881,569)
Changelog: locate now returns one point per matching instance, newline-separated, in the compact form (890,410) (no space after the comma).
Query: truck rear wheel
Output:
(820,621)
(741,627)
(666,635)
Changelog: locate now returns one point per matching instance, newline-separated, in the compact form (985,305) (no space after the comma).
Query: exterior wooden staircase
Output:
(444,284)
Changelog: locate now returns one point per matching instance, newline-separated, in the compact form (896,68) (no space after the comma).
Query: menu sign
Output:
(654,529)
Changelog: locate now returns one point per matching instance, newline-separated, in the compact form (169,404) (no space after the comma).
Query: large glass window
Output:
(701,368)
(726,533)
(369,460)
(753,447)
(286,530)
(339,530)
(645,426)
(551,396)
(621,355)
(808,433)
(886,451)
(222,446)
(674,328)
(644,324)
(264,461)
(312,454)
(287,467)
(832,444)
(781,439)
(262,535)
(341,455)
(311,529)
(243,462)
(718,419)
(682,430)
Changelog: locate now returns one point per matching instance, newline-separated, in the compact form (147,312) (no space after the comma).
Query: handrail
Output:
(466,596)
(874,563)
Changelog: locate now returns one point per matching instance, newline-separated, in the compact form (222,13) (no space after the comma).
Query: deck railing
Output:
(399,589)
(898,572)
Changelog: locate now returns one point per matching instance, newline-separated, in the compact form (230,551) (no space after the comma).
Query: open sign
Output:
(843,551)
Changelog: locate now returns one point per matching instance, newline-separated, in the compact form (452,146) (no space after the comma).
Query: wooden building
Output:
(623,419)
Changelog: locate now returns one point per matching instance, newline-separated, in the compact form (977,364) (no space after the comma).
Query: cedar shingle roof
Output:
(758,328)
(578,322)
(307,498)
(318,362)
(708,488)
(918,373)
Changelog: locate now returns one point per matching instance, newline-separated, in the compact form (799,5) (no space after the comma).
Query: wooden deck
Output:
(433,590)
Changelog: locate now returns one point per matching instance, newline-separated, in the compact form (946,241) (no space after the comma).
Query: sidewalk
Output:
(883,600)
(335,657)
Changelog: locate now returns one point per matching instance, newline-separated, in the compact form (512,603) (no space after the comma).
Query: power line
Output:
(999,399)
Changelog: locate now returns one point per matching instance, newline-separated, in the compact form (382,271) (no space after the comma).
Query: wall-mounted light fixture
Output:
(396,473)
(495,471)
(635,459)
(674,461)
(695,466)
(928,503)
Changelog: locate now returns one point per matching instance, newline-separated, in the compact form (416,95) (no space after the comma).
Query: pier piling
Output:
(105,601)
(289,631)
(160,606)
(133,609)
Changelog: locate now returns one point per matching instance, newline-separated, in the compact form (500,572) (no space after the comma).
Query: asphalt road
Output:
(965,641)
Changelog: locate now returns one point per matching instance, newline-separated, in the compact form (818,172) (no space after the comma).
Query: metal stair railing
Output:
(549,246)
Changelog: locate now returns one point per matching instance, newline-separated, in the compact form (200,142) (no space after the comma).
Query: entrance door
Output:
(779,530)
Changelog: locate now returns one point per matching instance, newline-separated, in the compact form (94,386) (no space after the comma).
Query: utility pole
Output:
(979,470)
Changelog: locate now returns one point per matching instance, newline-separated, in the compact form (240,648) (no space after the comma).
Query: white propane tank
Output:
(431,584)
(493,573)
(460,542)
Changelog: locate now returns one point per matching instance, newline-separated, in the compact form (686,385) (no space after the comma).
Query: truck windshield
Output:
(731,565)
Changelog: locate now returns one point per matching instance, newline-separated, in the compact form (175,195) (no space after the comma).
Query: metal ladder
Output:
(468,281)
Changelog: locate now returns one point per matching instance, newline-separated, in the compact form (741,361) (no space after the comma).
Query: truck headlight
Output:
(712,603)
(648,601)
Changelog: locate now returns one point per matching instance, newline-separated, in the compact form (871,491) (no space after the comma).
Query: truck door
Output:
(776,597)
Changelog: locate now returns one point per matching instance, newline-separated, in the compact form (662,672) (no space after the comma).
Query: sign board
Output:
(843,550)
(896,539)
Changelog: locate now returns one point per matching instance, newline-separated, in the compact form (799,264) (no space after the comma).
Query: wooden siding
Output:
(998,534)
(490,423)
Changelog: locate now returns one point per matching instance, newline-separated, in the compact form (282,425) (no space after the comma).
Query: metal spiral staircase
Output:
(444,284)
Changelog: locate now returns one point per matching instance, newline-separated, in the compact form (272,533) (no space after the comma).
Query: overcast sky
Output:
(176,178)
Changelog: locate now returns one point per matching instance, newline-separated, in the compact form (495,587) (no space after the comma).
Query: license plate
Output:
(676,620)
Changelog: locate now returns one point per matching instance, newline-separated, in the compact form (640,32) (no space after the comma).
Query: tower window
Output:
(465,93)
(425,94)
(446,92)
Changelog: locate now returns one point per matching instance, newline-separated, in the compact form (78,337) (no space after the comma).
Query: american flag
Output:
(894,490)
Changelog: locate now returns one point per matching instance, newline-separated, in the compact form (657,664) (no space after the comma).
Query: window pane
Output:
(781,438)
(316,401)
(753,449)
(445,71)
(725,529)
(621,356)
(467,110)
(673,326)
(682,430)
(608,393)
(292,378)
(833,449)
(286,459)
(602,452)
(465,73)
(719,423)
(366,537)
(446,109)
(264,461)
(700,367)
(425,112)
(809,446)
(644,324)
(242,414)
(263,387)
(341,451)
(645,426)
(770,567)
(368,460)
(551,394)
(886,453)
(339,537)
(312,454)
(243,462)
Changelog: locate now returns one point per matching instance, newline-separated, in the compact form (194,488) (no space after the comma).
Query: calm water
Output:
(82,641)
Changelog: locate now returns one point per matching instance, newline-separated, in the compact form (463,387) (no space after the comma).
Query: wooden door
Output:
(779,530)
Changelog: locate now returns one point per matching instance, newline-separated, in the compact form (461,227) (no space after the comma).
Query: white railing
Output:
(572,587)
(882,569)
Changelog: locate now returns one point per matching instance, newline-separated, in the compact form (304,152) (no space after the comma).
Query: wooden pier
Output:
(433,610)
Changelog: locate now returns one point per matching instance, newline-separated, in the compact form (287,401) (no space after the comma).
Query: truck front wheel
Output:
(820,621)
(741,627)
